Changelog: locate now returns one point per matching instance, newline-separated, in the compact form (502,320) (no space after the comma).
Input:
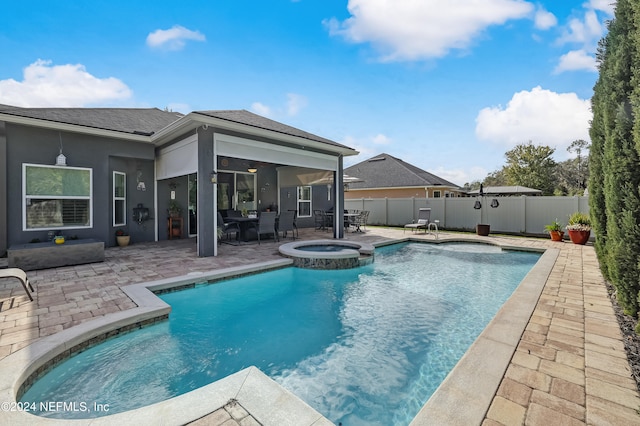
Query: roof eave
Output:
(75,128)
(194,120)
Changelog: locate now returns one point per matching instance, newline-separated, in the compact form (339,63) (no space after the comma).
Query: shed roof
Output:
(506,190)
(386,171)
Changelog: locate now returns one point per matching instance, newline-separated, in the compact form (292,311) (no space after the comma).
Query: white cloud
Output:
(70,85)
(174,38)
(606,6)
(541,116)
(295,103)
(576,60)
(459,176)
(261,109)
(543,19)
(381,139)
(583,33)
(366,146)
(423,29)
(586,31)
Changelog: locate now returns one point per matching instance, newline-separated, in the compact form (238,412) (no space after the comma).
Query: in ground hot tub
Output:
(328,254)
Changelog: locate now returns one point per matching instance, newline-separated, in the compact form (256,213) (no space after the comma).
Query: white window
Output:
(304,201)
(56,197)
(119,199)
(437,194)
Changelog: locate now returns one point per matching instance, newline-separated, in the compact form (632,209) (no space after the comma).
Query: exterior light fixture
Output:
(252,168)
(214,177)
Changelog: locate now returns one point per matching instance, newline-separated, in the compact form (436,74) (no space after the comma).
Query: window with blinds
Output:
(56,197)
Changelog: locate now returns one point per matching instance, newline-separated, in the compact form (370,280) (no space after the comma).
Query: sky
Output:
(448,86)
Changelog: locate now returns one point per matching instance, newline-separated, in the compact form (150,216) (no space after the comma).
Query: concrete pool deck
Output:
(569,364)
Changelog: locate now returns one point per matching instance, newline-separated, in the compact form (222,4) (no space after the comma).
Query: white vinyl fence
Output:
(514,215)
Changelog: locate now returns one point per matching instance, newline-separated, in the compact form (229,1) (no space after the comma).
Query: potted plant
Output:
(174,210)
(555,230)
(579,228)
(122,238)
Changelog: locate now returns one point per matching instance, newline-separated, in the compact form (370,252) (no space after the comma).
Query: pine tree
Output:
(615,170)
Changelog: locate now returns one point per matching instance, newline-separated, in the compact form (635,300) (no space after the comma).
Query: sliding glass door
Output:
(237,191)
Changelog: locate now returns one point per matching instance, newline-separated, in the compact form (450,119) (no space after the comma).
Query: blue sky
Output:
(448,86)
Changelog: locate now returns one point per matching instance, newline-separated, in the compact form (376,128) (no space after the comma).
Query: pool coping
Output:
(472,383)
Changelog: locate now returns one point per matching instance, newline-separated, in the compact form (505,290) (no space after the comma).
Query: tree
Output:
(497,178)
(532,166)
(614,158)
(581,163)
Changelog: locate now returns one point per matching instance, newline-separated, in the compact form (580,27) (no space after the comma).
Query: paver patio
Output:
(570,366)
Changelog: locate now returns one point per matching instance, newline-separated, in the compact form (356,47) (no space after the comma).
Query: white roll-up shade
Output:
(296,176)
(248,149)
(178,159)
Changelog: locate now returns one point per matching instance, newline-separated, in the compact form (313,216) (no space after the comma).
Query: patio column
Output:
(207,208)
(338,179)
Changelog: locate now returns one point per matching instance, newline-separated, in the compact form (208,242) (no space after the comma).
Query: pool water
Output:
(362,346)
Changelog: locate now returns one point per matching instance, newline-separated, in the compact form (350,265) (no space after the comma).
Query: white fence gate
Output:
(514,215)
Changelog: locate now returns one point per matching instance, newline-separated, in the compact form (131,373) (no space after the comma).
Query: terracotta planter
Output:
(579,237)
(556,235)
(483,229)
(123,240)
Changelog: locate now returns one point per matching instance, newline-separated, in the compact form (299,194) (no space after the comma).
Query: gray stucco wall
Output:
(42,146)
(3,189)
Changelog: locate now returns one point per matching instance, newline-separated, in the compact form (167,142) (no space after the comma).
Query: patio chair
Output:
(320,219)
(287,223)
(360,221)
(229,227)
(20,275)
(266,225)
(424,216)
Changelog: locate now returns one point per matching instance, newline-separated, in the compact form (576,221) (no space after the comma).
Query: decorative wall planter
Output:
(556,235)
(123,240)
(483,229)
(579,237)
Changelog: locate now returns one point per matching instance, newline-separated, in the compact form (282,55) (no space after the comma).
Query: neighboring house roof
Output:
(506,190)
(386,171)
(140,121)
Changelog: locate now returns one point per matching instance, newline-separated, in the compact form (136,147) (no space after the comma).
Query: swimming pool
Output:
(332,337)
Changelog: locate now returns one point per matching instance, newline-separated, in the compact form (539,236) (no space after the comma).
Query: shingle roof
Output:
(128,120)
(507,190)
(385,171)
(250,119)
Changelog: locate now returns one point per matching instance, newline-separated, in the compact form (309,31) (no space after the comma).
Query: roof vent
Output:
(376,159)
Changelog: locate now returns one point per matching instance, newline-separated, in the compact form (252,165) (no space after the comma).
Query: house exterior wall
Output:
(34,145)
(3,189)
(418,192)
(385,193)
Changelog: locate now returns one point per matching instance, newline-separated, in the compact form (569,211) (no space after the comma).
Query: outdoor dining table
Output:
(244,223)
(347,219)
